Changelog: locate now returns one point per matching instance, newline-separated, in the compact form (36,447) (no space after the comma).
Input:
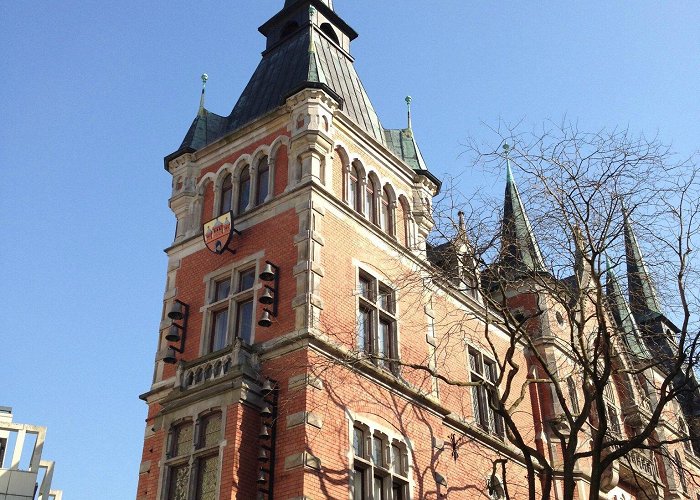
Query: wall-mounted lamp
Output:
(271,273)
(179,311)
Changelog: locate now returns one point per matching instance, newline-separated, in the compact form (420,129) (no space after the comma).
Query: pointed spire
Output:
(205,77)
(642,295)
(518,243)
(623,314)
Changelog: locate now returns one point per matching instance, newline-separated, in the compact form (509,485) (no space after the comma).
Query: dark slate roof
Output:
(305,58)
(519,248)
(284,70)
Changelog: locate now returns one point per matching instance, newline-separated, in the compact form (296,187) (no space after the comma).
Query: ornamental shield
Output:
(217,232)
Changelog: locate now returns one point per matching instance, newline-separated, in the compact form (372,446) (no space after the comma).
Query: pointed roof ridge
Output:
(623,314)
(518,241)
(642,294)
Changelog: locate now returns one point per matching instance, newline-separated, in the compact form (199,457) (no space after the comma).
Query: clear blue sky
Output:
(95,93)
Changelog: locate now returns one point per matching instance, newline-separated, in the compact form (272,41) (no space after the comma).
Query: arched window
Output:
(370,201)
(328,30)
(244,190)
(353,193)
(387,215)
(226,195)
(263,187)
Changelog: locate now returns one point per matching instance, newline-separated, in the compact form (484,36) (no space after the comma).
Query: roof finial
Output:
(408,105)
(205,77)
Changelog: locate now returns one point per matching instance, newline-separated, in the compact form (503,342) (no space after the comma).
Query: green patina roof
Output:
(623,316)
(642,295)
(519,248)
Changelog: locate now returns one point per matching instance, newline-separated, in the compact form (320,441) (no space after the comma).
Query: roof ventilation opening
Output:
(330,32)
(289,28)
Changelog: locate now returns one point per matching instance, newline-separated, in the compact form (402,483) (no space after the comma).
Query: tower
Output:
(312,196)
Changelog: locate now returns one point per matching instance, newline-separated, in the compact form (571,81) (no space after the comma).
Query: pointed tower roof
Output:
(623,315)
(642,295)
(519,248)
(308,46)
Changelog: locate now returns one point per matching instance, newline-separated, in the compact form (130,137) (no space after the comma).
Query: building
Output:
(23,474)
(290,349)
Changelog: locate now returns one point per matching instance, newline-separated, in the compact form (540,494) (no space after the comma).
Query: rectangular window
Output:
(193,461)
(485,395)
(376,322)
(231,311)
(179,480)
(207,469)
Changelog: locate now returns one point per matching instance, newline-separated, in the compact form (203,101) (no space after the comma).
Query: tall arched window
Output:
(353,193)
(244,190)
(370,201)
(226,195)
(387,216)
(263,187)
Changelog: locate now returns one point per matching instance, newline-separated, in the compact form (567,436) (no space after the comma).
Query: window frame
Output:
(192,459)
(225,203)
(387,214)
(231,306)
(263,166)
(484,370)
(244,183)
(353,188)
(376,309)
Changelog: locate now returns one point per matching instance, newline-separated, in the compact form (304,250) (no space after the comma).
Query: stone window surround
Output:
(231,271)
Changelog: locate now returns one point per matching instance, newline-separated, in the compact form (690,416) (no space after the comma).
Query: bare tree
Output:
(616,362)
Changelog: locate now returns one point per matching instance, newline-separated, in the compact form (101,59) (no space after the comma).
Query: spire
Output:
(623,314)
(519,248)
(642,295)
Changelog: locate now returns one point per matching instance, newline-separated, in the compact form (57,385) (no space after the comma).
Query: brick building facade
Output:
(299,384)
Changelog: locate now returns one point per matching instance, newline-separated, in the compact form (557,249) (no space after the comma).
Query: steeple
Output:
(519,249)
(623,315)
(642,295)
